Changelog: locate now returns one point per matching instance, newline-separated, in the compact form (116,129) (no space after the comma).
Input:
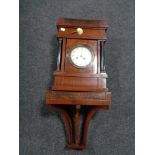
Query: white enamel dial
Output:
(81,56)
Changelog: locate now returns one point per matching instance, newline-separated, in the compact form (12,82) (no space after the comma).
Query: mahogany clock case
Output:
(75,85)
(110,132)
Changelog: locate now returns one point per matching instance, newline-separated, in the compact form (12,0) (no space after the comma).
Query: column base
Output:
(76,146)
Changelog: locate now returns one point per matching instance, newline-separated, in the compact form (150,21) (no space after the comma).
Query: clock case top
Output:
(68,77)
(93,29)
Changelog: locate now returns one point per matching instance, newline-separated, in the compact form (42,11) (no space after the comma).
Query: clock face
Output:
(81,56)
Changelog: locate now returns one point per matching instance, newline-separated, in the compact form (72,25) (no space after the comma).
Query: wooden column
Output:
(102,57)
(77,124)
(59,54)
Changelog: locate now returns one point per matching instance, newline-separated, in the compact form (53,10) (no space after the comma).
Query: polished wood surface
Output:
(93,29)
(87,34)
(72,43)
(75,86)
(79,98)
(85,23)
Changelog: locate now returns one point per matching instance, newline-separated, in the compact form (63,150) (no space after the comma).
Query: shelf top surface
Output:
(87,23)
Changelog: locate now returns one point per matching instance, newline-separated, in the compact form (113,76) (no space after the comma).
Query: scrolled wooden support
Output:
(75,142)
(88,118)
(67,120)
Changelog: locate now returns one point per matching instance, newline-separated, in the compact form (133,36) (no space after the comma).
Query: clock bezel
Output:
(92,56)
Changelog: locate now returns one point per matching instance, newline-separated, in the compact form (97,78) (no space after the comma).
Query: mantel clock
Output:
(80,78)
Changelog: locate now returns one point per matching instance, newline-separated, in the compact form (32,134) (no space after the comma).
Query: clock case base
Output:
(79,82)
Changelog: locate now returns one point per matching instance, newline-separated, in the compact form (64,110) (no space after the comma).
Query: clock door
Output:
(81,56)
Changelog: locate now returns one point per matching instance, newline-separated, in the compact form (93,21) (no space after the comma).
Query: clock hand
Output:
(81,52)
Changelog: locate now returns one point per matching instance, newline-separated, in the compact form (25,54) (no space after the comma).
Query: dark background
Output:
(41,133)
